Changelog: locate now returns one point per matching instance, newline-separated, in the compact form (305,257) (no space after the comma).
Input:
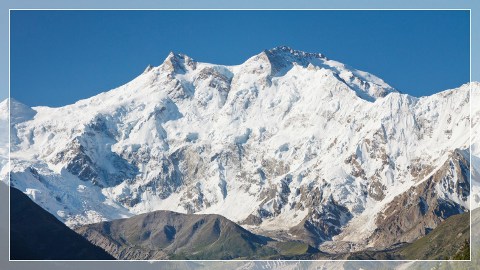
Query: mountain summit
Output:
(288,144)
(281,59)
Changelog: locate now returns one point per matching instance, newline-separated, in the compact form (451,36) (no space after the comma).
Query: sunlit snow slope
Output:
(286,142)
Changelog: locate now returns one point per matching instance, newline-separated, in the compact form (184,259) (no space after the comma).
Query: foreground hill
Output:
(171,235)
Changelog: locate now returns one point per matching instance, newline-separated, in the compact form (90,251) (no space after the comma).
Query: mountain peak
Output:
(282,58)
(179,63)
(288,52)
(19,112)
(11,102)
(278,61)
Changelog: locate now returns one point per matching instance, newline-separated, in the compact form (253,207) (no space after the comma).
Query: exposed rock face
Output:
(424,206)
(323,224)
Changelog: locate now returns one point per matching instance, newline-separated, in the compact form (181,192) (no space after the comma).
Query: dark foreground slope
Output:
(38,235)
(171,235)
(445,242)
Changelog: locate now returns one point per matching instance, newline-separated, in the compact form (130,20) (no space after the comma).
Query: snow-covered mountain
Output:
(288,144)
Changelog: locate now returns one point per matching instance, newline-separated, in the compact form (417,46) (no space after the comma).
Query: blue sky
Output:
(59,57)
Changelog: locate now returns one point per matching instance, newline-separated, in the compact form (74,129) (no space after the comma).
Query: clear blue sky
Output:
(59,57)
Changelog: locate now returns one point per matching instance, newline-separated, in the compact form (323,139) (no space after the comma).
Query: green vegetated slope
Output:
(459,265)
(443,242)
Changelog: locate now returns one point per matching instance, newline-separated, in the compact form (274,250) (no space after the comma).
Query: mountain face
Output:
(288,144)
(38,235)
